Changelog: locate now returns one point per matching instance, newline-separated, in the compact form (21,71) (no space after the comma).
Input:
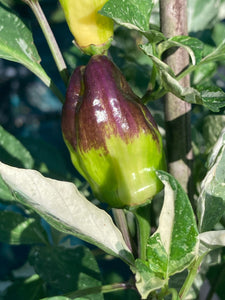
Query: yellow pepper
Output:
(92,31)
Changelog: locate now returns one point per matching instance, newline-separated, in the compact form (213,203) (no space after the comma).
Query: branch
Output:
(173,15)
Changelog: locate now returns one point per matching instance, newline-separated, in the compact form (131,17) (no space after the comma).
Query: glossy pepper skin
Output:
(92,31)
(113,139)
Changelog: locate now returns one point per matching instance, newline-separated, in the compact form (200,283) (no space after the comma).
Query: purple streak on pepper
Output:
(103,80)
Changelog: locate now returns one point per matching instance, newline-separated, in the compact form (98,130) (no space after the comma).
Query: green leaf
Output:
(62,205)
(15,229)
(146,280)
(148,50)
(5,193)
(129,13)
(211,201)
(154,36)
(212,97)
(14,153)
(16,43)
(44,160)
(211,129)
(218,32)
(203,72)
(193,46)
(202,14)
(31,288)
(66,270)
(216,55)
(174,245)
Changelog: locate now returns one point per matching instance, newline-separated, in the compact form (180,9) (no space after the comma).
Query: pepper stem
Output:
(121,222)
(142,215)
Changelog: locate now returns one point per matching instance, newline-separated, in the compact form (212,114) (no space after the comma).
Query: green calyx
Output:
(96,49)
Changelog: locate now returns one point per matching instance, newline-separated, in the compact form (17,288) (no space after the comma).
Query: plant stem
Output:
(173,15)
(186,72)
(121,222)
(54,48)
(101,289)
(142,215)
(190,278)
(174,294)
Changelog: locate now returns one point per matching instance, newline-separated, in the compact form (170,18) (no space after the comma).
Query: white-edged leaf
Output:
(213,97)
(174,245)
(169,81)
(129,13)
(146,280)
(193,46)
(211,201)
(61,204)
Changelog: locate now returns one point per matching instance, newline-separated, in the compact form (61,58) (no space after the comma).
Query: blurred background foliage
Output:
(30,112)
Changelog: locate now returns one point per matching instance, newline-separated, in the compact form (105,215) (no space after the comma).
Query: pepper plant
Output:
(148,197)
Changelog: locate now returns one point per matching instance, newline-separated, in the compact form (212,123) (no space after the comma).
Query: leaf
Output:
(31,288)
(5,193)
(212,97)
(213,239)
(174,245)
(44,160)
(15,229)
(216,55)
(16,43)
(129,13)
(148,50)
(8,143)
(203,72)
(211,129)
(66,270)
(61,204)
(169,81)
(20,158)
(154,36)
(211,201)
(202,14)
(218,32)
(146,280)
(193,46)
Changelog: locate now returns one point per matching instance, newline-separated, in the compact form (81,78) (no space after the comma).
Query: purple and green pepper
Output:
(112,137)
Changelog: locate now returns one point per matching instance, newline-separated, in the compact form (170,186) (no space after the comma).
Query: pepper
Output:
(112,137)
(92,31)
